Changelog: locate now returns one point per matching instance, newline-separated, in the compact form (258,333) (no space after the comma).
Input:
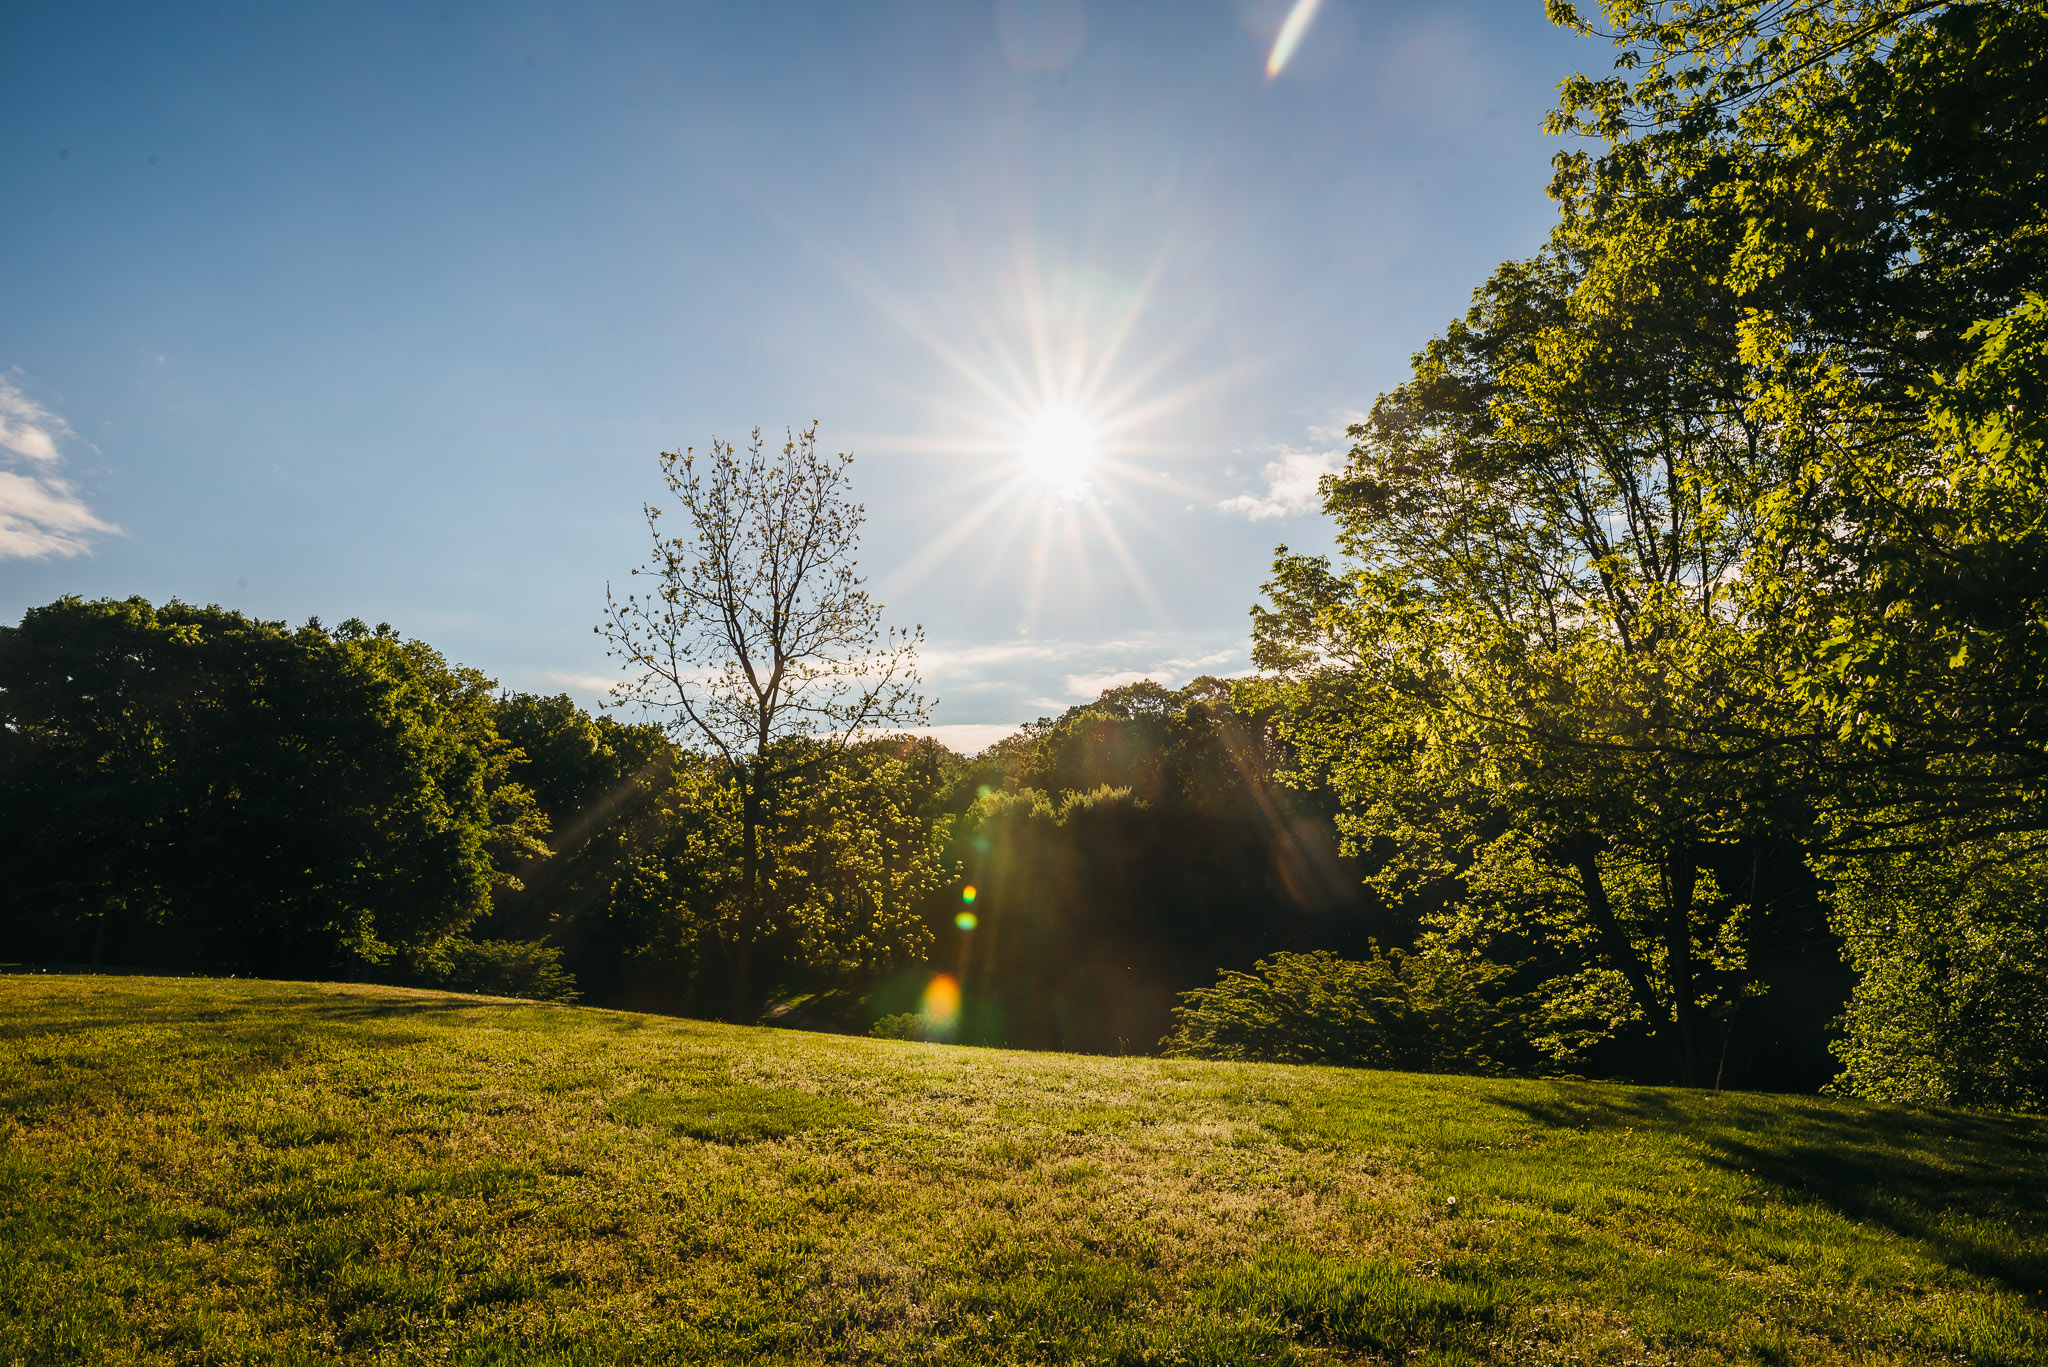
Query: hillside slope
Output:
(222,1171)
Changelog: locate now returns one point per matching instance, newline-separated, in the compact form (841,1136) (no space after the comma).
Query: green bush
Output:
(1950,949)
(903,1025)
(500,968)
(1431,1011)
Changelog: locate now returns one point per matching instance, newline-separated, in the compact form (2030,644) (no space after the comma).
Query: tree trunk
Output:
(740,960)
(1680,878)
(1614,943)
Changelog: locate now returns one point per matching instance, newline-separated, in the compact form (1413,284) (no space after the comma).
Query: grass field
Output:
(215,1171)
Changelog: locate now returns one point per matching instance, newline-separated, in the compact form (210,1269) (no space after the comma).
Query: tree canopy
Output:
(241,795)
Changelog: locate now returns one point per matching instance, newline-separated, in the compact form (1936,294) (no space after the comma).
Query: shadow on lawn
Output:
(1967,1185)
(246,1015)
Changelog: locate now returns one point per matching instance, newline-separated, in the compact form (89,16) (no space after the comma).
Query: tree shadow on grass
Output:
(249,1015)
(1970,1186)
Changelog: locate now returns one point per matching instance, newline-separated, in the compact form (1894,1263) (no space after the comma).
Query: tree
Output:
(1124,851)
(1866,185)
(754,632)
(1533,682)
(195,786)
(1432,1012)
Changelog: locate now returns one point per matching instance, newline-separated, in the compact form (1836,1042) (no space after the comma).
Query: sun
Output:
(1059,447)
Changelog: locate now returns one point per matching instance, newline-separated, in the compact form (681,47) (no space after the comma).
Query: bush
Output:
(1950,949)
(1430,1011)
(904,1025)
(500,968)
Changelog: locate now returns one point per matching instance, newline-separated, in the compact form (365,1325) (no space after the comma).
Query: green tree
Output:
(201,787)
(753,632)
(859,853)
(1866,185)
(1125,850)
(1532,683)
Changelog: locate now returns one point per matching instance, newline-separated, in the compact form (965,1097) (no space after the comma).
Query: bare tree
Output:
(757,631)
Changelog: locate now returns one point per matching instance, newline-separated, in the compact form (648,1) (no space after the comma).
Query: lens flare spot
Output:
(941,1004)
(1291,33)
(968,894)
(966,920)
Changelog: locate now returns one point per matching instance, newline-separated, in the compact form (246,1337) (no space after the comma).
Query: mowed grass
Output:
(214,1171)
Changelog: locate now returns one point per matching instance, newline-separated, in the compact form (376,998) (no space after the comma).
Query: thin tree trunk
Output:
(1615,944)
(1680,878)
(741,959)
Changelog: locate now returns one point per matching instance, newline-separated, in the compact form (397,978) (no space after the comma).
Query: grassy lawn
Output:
(209,1171)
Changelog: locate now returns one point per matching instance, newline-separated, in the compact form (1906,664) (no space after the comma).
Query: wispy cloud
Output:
(41,512)
(1293,478)
(582,683)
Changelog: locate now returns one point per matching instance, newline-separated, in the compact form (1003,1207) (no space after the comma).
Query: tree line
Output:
(190,788)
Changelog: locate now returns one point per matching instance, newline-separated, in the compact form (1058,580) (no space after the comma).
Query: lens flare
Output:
(966,920)
(941,1009)
(968,894)
(1291,33)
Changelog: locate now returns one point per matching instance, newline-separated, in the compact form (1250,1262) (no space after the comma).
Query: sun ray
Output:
(1119,548)
(955,536)
(1053,418)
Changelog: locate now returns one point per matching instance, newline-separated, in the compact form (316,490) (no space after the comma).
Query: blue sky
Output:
(385,310)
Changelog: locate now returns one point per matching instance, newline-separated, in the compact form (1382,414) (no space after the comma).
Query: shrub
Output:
(500,968)
(1950,949)
(1431,1011)
(903,1025)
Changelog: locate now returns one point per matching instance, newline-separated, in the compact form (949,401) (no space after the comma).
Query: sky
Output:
(385,311)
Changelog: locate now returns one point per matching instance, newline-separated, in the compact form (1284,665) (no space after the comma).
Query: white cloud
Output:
(1294,478)
(1093,686)
(27,428)
(1170,673)
(41,512)
(584,683)
(963,737)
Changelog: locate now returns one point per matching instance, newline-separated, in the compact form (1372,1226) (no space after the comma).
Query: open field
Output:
(228,1171)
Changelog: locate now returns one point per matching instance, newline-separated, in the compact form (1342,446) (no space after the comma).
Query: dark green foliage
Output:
(1432,1011)
(902,1025)
(641,888)
(187,785)
(499,968)
(625,852)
